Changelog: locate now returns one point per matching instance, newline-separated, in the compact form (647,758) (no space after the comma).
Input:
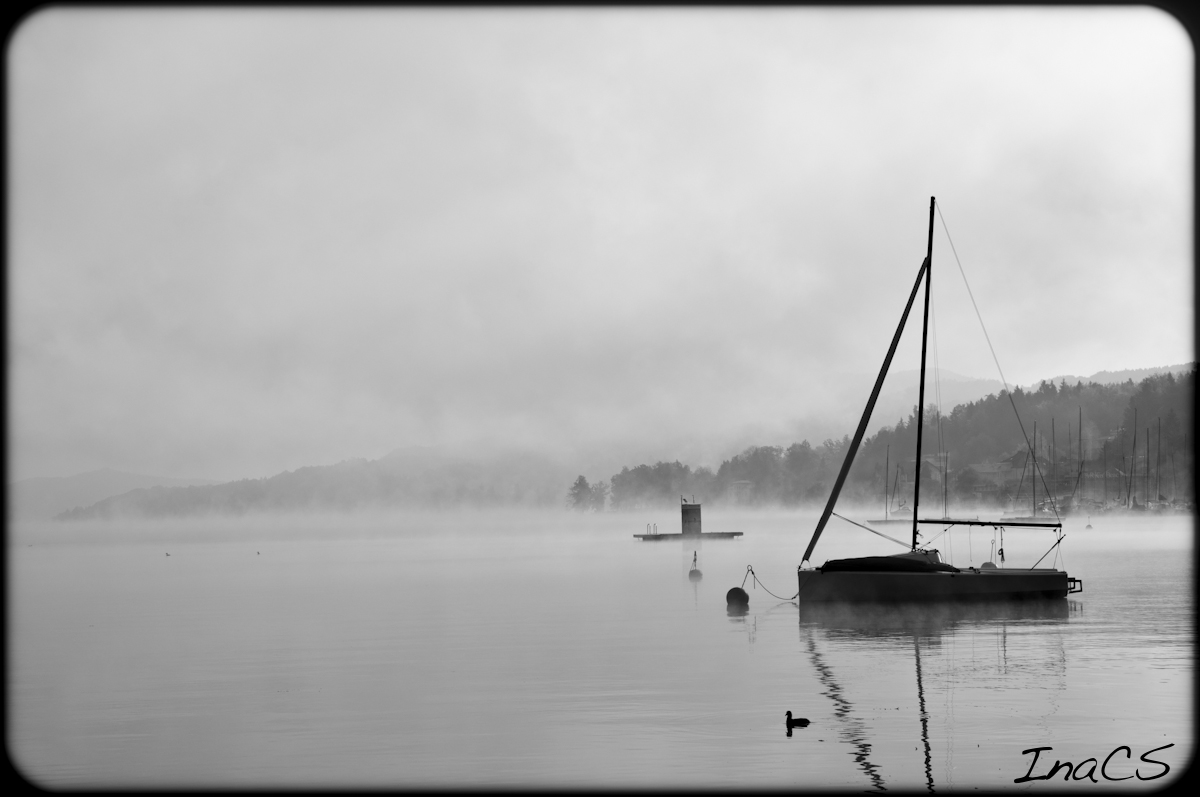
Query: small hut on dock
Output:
(690,515)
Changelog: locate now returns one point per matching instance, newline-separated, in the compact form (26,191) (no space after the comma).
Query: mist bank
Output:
(419,478)
(43,497)
(972,435)
(279,525)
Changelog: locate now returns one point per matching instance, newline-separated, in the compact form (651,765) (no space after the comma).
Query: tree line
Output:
(1074,429)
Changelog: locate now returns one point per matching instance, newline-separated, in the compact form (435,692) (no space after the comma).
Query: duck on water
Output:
(919,574)
(799,722)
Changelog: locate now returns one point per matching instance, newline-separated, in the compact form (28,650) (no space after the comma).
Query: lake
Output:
(552,649)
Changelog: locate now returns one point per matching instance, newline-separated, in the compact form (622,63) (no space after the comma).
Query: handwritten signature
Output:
(1077,771)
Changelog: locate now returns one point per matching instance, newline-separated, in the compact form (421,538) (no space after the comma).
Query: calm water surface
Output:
(553,649)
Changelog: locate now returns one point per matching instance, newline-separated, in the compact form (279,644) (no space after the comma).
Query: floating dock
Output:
(708,535)
(691,528)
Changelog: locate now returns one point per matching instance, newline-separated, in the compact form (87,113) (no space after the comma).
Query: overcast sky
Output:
(243,241)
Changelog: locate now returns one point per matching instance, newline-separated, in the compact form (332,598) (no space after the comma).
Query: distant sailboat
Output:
(905,513)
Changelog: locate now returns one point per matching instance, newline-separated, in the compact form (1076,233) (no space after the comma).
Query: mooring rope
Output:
(750,572)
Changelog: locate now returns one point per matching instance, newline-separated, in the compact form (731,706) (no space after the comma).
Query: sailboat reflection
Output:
(928,620)
(855,730)
(924,716)
(889,624)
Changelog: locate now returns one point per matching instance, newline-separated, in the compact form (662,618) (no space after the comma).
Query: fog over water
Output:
(249,240)
(553,649)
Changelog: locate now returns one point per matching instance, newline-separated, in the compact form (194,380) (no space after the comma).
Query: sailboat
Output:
(904,514)
(919,574)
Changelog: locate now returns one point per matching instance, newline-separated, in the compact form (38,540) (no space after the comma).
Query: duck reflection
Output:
(895,626)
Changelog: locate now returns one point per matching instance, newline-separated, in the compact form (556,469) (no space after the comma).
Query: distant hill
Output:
(1113,377)
(413,477)
(898,400)
(43,497)
(899,395)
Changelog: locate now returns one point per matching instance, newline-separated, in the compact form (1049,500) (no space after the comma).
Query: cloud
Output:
(244,240)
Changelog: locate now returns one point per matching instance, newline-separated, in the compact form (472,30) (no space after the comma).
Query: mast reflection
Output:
(921,625)
(924,715)
(855,732)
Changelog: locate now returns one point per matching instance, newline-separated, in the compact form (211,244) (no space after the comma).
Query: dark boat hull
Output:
(969,585)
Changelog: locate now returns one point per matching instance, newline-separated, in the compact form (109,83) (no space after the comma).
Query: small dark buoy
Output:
(799,722)
(694,574)
(168,554)
(258,553)
(1088,526)
(737,598)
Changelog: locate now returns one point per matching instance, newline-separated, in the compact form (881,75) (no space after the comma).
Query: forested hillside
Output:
(1088,427)
(985,460)
(410,478)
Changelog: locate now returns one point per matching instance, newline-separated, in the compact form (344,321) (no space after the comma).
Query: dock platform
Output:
(707,535)
(690,515)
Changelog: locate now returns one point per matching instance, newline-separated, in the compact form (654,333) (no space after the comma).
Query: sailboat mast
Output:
(921,388)
(1132,464)
(1146,471)
(1053,469)
(887,466)
(866,417)
(1033,475)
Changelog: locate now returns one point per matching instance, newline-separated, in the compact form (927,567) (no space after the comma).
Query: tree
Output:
(579,497)
(599,495)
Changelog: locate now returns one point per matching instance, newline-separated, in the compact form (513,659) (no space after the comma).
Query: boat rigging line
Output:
(1061,537)
(992,349)
(1021,481)
(937,403)
(873,531)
